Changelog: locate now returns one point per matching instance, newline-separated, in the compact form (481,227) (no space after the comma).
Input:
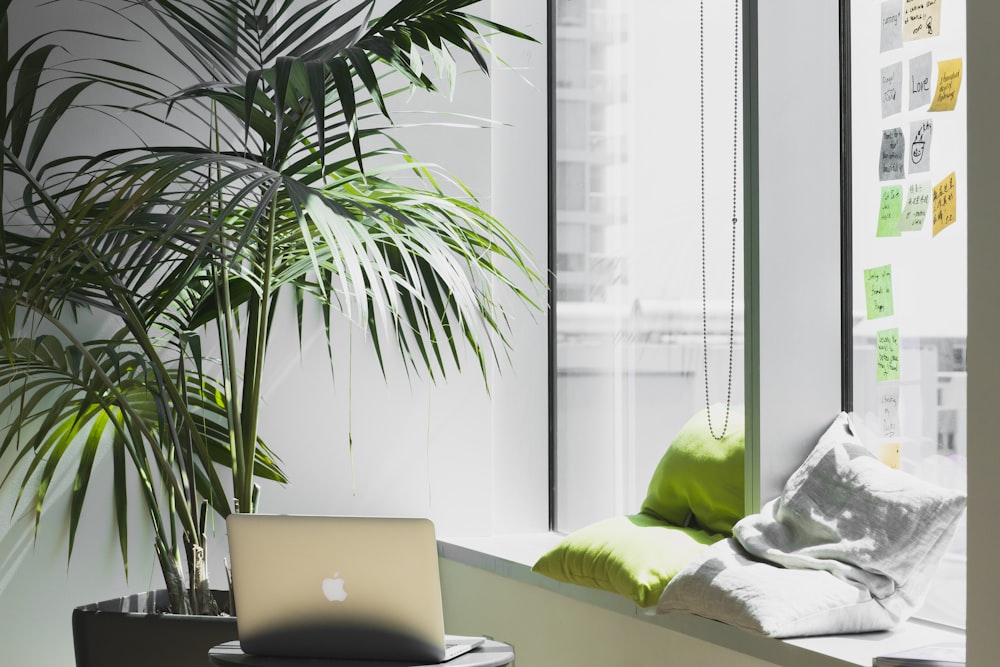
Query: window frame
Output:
(984,330)
(551,333)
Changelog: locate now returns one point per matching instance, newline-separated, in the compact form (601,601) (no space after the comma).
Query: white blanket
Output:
(849,546)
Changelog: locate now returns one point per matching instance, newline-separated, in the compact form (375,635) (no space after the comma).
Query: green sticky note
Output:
(890,210)
(887,347)
(878,291)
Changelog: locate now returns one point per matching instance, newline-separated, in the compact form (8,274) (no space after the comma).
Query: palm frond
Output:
(281,177)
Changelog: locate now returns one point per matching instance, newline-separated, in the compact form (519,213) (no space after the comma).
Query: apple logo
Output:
(333,588)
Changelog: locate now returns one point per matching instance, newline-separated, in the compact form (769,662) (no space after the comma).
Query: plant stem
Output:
(259,317)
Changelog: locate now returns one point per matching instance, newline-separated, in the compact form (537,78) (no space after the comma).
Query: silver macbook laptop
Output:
(339,587)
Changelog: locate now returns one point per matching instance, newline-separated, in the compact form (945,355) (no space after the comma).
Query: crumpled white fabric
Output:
(850,545)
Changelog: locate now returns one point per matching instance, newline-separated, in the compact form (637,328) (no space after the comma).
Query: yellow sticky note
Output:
(948,83)
(945,204)
(888,453)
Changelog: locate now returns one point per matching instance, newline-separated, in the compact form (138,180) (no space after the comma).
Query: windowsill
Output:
(512,557)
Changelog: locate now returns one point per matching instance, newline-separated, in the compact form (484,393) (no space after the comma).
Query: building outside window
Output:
(629,334)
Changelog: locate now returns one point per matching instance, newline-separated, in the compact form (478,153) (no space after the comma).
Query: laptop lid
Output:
(337,587)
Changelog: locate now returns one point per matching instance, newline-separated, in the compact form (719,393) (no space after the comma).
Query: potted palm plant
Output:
(282,184)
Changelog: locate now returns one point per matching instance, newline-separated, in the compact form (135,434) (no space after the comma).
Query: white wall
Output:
(38,588)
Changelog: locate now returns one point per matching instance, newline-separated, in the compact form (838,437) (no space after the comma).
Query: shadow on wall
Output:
(15,546)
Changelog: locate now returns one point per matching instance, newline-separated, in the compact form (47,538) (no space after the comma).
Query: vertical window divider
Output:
(795,334)
(751,297)
(846,214)
(550,36)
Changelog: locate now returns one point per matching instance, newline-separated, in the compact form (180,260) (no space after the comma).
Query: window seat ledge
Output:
(511,557)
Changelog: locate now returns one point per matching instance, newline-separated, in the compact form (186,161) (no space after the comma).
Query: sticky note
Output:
(948,84)
(921,19)
(878,291)
(887,351)
(892,89)
(918,197)
(888,408)
(892,25)
(890,210)
(888,453)
(921,134)
(892,155)
(920,80)
(945,204)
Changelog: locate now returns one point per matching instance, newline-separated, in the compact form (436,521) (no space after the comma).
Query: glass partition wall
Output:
(635,142)
(909,252)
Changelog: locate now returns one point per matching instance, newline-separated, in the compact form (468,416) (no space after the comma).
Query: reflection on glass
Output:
(628,289)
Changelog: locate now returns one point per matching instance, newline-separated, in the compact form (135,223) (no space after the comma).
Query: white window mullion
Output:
(793,227)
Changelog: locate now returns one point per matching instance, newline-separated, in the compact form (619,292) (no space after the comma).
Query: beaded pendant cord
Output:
(734,219)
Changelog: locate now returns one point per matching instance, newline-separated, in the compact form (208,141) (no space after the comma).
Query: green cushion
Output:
(635,556)
(701,476)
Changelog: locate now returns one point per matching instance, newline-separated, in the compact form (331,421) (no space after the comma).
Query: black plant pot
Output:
(133,630)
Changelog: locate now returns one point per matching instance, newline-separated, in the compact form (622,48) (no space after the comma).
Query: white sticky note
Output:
(892,89)
(921,133)
(892,155)
(918,198)
(892,25)
(921,85)
(888,408)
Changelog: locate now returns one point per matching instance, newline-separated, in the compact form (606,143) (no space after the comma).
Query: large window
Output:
(630,346)
(632,329)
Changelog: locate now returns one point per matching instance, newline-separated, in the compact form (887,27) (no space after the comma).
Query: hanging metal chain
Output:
(735,219)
